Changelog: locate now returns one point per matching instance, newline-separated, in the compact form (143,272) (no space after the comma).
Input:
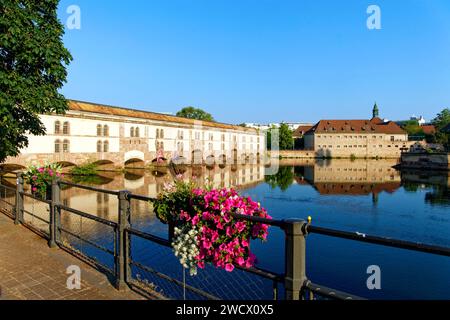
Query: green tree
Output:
(442,119)
(195,113)
(413,129)
(440,122)
(286,140)
(33,63)
(283,179)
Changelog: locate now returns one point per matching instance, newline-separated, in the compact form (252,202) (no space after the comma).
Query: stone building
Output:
(357,138)
(120,137)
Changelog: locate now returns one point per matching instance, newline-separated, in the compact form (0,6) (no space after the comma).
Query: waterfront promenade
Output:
(30,270)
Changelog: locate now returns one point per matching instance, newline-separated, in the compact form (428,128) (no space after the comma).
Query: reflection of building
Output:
(151,184)
(359,177)
(118,136)
(359,138)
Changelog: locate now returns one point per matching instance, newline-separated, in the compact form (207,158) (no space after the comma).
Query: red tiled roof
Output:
(124,112)
(356,188)
(301,130)
(376,125)
(428,129)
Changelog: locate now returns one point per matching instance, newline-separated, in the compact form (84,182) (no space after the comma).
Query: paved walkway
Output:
(30,270)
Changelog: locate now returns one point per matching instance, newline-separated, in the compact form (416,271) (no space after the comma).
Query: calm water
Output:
(361,196)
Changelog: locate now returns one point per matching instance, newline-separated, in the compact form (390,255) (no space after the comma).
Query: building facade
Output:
(357,138)
(124,137)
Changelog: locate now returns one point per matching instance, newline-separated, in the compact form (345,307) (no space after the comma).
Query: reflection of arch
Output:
(134,175)
(222,161)
(197,157)
(160,172)
(235,155)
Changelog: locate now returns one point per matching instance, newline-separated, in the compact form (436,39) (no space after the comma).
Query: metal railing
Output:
(134,253)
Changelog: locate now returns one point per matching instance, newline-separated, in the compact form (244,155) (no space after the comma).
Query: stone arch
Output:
(210,161)
(135,163)
(66,164)
(234,156)
(104,164)
(197,157)
(10,167)
(134,154)
(222,160)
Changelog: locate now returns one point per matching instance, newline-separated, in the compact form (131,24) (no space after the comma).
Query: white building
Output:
(112,135)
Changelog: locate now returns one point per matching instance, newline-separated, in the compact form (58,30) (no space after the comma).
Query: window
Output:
(157,133)
(137,133)
(392,138)
(161,133)
(180,134)
(132,132)
(57,127)
(99,130)
(105,130)
(66,128)
(99,146)
(106,146)
(57,146)
(66,146)
(223,137)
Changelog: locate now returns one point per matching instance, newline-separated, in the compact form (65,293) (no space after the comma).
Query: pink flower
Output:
(34,189)
(206,216)
(195,220)
(201,264)
(245,243)
(34,178)
(240,261)
(229,267)
(41,170)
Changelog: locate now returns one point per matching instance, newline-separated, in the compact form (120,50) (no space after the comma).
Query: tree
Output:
(413,129)
(286,140)
(195,113)
(442,119)
(440,122)
(33,63)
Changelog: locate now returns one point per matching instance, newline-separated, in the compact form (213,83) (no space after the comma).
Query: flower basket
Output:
(205,227)
(40,179)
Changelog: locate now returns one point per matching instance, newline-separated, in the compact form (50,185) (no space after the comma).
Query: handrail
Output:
(88,216)
(71,184)
(384,241)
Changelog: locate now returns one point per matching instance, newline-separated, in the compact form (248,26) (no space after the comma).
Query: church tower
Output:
(375,112)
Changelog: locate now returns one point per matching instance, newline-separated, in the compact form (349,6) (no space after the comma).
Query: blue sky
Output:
(262,60)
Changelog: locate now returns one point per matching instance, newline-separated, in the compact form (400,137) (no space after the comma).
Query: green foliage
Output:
(413,128)
(88,169)
(195,113)
(41,177)
(286,141)
(442,119)
(33,63)
(440,122)
(178,197)
(282,179)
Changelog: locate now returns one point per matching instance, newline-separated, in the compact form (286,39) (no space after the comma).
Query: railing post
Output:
(55,214)
(123,247)
(295,258)
(19,200)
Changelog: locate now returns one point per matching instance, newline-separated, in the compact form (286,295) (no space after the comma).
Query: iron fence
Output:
(145,262)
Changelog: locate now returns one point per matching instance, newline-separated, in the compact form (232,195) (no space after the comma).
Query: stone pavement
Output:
(30,270)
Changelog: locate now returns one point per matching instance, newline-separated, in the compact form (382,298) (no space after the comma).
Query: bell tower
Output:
(375,111)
